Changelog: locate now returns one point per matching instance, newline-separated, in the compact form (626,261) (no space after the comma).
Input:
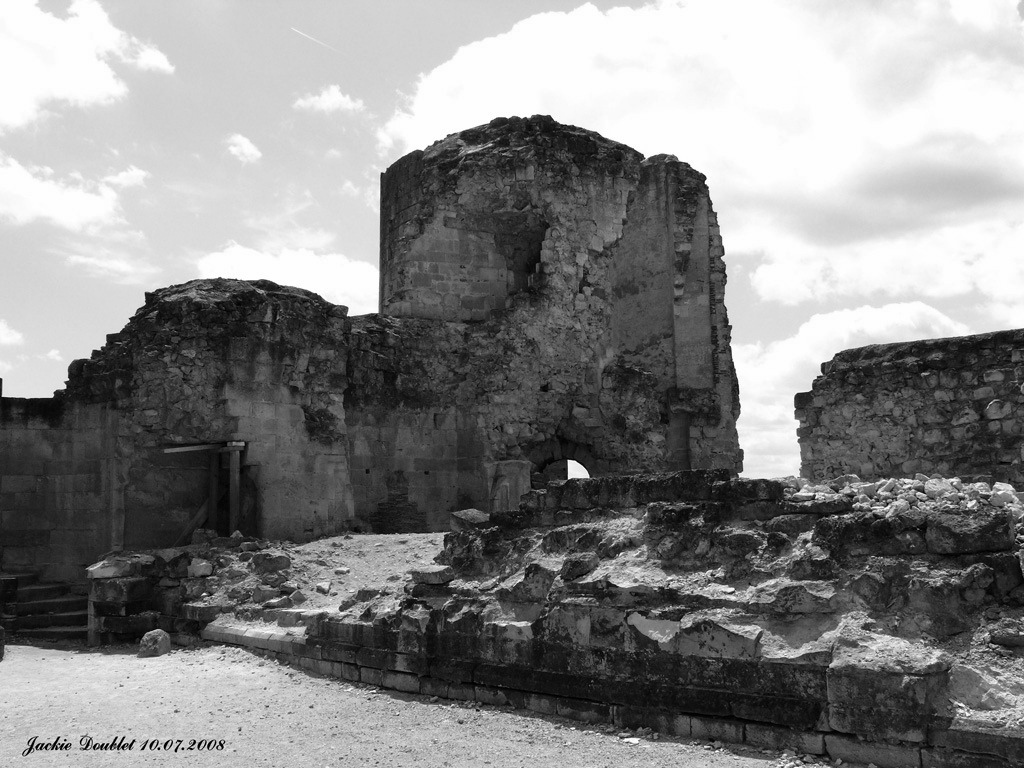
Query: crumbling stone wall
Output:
(203,363)
(546,294)
(943,406)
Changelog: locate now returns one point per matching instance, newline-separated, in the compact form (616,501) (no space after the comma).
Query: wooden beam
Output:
(197,519)
(234,487)
(214,494)
(189,448)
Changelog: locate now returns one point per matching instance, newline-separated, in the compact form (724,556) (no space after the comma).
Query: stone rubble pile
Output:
(181,589)
(896,495)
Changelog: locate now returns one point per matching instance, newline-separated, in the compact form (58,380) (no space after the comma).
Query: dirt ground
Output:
(267,714)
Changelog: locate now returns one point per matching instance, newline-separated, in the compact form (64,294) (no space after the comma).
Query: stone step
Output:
(54,633)
(20,579)
(8,622)
(34,592)
(52,605)
(65,619)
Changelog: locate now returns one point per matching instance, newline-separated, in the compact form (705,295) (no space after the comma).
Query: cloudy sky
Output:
(866,158)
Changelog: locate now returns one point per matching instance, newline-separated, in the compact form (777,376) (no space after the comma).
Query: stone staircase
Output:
(51,611)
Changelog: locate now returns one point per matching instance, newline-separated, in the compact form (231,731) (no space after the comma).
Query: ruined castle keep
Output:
(546,294)
(941,406)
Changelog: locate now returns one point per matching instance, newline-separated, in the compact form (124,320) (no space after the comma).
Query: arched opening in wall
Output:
(561,460)
(575,469)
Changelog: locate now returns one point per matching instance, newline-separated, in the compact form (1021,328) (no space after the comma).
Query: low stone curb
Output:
(952,748)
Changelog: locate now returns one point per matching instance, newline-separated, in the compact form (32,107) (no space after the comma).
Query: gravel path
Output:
(267,714)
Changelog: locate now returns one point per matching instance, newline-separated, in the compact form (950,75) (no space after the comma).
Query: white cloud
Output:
(30,194)
(369,193)
(771,374)
(329,99)
(47,59)
(243,149)
(113,254)
(146,57)
(102,242)
(129,177)
(861,149)
(337,278)
(9,336)
(284,228)
(112,265)
(54,355)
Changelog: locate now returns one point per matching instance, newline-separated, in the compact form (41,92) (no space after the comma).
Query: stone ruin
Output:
(546,294)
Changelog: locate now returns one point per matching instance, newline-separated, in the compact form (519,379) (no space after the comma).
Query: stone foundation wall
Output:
(944,406)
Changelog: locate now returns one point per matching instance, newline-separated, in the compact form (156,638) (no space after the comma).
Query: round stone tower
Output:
(488,213)
(550,238)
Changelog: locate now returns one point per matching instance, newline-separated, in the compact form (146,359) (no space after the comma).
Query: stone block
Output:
(852,750)
(333,651)
(952,758)
(584,711)
(716,729)
(461,691)
(979,736)
(371,657)
(453,671)
(542,704)
(437,574)
(792,713)
(120,590)
(199,568)
(350,672)
(200,612)
(431,686)
(370,676)
(408,663)
(494,697)
(885,688)
(469,519)
(980,531)
(775,738)
(400,681)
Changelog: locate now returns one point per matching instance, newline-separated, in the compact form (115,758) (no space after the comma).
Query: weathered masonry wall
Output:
(58,486)
(206,363)
(943,406)
(597,263)
(667,282)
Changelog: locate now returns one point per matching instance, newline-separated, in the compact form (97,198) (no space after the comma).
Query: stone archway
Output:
(550,461)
